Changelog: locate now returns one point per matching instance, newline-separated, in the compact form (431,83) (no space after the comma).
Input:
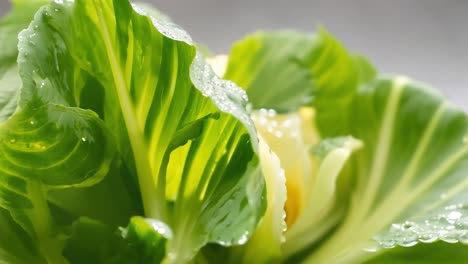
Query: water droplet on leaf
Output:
(453,216)
(387,244)
(408,225)
(463,238)
(427,238)
(371,249)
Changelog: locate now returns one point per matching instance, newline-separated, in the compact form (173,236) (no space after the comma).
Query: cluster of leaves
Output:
(120,144)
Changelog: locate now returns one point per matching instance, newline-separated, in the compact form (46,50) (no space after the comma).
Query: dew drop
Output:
(407,243)
(453,216)
(451,207)
(395,228)
(278,134)
(84,139)
(427,238)
(449,237)
(287,123)
(271,113)
(12,141)
(387,244)
(263,121)
(294,134)
(371,249)
(408,225)
(463,238)
(462,223)
(32,122)
(450,227)
(38,145)
(243,239)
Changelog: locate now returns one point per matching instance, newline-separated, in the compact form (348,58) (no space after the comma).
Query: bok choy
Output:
(121,143)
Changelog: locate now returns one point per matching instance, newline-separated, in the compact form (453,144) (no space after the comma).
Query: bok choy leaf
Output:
(93,85)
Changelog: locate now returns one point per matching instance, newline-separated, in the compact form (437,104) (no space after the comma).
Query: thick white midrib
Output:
(150,197)
(381,152)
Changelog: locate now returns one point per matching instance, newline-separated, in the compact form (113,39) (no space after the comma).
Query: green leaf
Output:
(366,72)
(151,11)
(142,241)
(436,253)
(146,240)
(48,144)
(409,178)
(9,85)
(111,201)
(16,20)
(183,133)
(46,147)
(15,245)
(336,76)
(272,68)
(93,242)
(286,70)
(10,26)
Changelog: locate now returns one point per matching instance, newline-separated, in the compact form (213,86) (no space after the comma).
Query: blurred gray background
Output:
(424,39)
